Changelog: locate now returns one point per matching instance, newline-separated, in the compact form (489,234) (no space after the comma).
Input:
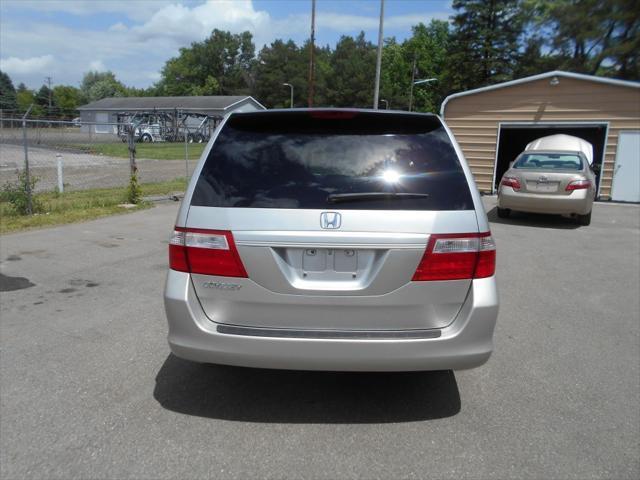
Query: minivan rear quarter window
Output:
(333,160)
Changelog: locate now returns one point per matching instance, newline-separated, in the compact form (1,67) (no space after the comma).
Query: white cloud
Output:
(118,27)
(25,66)
(97,66)
(184,24)
(138,10)
(151,32)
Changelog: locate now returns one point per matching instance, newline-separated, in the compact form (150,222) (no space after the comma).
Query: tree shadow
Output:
(287,396)
(536,220)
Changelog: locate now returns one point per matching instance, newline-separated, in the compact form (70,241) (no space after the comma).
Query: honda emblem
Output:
(330,220)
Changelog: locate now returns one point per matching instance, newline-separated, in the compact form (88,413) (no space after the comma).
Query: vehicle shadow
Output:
(287,396)
(535,220)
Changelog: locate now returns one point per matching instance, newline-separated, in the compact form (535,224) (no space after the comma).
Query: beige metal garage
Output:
(493,124)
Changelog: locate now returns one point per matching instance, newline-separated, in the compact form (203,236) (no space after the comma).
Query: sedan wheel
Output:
(503,212)
(584,219)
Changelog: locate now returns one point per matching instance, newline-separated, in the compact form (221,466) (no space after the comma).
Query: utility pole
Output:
(376,92)
(311,59)
(48,79)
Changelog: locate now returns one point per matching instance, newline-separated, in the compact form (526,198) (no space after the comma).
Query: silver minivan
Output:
(324,239)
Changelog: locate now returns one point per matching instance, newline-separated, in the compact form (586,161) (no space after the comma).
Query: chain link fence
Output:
(61,156)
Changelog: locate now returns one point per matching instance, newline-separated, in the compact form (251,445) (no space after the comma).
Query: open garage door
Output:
(513,138)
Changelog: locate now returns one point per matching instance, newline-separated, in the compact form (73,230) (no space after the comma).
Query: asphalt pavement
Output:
(88,388)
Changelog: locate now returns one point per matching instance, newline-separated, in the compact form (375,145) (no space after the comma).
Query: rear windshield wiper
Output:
(358,197)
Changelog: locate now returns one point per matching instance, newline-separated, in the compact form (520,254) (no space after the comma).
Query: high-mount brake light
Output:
(332,114)
(512,182)
(207,252)
(457,257)
(578,185)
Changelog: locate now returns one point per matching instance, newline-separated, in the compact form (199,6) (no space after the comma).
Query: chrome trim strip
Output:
(312,244)
(329,334)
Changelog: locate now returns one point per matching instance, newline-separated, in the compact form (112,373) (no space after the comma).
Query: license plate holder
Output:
(342,260)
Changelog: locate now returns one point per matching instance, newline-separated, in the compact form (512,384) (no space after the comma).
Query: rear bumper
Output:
(579,202)
(466,343)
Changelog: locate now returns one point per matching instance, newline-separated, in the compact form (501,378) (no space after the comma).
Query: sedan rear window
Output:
(549,161)
(333,159)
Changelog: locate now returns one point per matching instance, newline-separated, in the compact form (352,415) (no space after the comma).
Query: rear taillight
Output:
(208,252)
(457,257)
(512,182)
(578,185)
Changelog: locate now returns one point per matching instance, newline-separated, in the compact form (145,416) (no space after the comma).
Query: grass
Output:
(79,206)
(153,151)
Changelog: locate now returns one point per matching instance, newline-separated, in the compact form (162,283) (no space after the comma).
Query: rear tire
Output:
(584,219)
(146,138)
(503,212)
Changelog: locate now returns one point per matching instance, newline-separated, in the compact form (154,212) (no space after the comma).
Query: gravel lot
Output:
(82,170)
(89,389)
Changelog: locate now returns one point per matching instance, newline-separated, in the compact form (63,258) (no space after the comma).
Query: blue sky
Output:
(133,38)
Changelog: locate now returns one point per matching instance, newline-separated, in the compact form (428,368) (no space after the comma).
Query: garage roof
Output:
(210,102)
(541,76)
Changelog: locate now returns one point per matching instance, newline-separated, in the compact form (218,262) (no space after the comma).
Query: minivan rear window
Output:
(333,160)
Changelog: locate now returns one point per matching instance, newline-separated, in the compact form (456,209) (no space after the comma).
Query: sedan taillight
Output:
(578,185)
(457,257)
(512,182)
(208,252)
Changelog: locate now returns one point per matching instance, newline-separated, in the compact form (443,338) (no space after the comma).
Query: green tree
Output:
(98,85)
(224,57)
(66,99)
(592,36)
(210,87)
(533,59)
(485,44)
(395,76)
(428,47)
(42,99)
(7,93)
(352,74)
(25,98)
(323,74)
(279,63)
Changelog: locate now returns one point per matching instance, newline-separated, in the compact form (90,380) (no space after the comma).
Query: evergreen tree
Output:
(42,99)
(593,36)
(7,93)
(281,62)
(485,42)
(352,75)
